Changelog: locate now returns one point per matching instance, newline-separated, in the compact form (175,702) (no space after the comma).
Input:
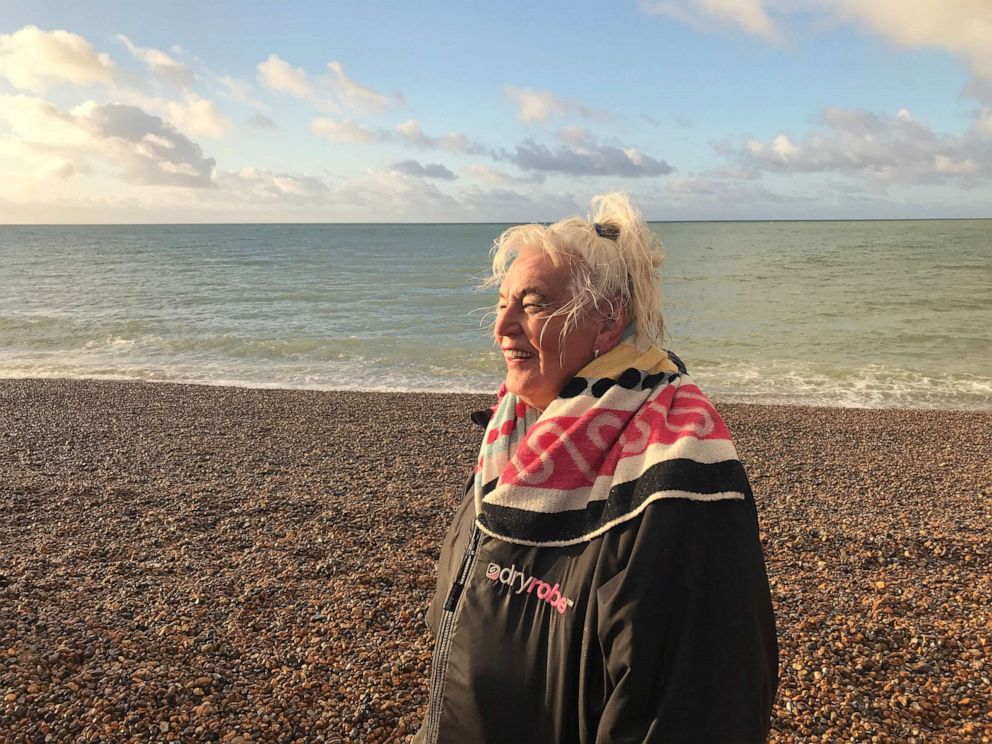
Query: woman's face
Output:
(539,365)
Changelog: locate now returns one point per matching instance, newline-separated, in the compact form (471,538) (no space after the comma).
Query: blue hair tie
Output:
(610,233)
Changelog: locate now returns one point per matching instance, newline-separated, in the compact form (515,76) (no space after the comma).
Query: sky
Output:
(494,112)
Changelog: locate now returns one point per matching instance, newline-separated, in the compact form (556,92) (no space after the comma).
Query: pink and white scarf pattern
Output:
(629,429)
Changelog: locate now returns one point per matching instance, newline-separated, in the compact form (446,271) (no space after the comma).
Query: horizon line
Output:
(502,222)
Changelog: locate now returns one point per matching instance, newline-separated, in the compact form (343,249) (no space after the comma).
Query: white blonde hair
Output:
(614,267)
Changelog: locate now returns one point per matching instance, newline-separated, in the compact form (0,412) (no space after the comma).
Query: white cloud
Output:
(345,131)
(411,132)
(279,75)
(375,196)
(192,114)
(944,164)
(30,59)
(335,91)
(198,117)
(578,136)
(353,95)
(963,27)
(64,170)
(985,121)
(718,191)
(784,148)
(882,149)
(408,132)
(705,197)
(492,175)
(239,91)
(267,186)
(979,89)
(165,158)
(541,105)
(34,121)
(139,147)
(261,121)
(749,15)
(512,205)
(419,170)
(396,194)
(160,63)
(589,160)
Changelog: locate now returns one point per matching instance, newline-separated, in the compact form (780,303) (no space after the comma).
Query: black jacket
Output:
(659,630)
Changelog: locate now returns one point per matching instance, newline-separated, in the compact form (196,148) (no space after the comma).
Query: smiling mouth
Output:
(516,355)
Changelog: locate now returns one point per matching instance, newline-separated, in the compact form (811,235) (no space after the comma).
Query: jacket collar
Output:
(481,418)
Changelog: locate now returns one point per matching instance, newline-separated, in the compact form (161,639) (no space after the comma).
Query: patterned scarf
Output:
(629,429)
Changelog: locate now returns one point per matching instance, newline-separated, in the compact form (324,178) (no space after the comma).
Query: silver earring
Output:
(595,353)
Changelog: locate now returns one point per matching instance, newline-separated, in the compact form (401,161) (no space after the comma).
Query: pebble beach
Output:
(201,563)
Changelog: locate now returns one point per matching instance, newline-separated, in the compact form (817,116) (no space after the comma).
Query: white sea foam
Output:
(871,386)
(776,383)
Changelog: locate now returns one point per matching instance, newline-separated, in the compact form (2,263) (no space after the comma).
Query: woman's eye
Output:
(531,308)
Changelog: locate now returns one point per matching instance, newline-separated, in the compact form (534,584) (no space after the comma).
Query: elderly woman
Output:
(602,580)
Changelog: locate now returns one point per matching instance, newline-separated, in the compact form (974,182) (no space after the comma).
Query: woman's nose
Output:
(507,322)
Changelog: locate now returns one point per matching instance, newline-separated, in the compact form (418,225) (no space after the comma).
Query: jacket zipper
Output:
(439,667)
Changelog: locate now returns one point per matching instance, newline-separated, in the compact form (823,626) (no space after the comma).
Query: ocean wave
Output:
(871,386)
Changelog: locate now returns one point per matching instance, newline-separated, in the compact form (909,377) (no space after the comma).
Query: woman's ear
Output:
(612,328)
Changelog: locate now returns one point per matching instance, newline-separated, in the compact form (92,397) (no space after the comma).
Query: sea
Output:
(894,314)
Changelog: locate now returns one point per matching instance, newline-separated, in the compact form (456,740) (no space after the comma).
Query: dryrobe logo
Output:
(529,585)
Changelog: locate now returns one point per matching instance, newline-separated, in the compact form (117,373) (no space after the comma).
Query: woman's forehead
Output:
(534,269)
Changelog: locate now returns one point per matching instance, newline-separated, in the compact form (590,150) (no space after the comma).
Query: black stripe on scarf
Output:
(670,475)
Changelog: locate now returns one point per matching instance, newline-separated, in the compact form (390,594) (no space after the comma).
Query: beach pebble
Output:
(192,563)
